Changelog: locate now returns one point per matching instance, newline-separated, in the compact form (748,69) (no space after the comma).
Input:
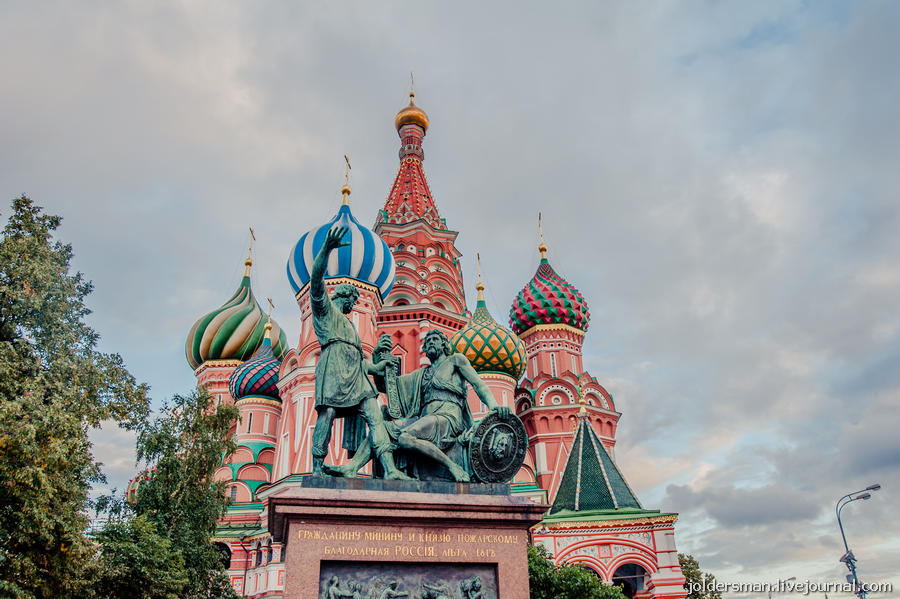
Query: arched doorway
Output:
(631,577)
(225,554)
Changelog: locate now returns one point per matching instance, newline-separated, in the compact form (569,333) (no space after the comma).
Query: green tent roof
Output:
(591,480)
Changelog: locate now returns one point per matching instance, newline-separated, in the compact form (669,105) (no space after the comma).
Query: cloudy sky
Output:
(718,178)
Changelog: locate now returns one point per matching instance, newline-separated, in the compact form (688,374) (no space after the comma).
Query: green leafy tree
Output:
(548,581)
(184,446)
(137,562)
(699,584)
(54,386)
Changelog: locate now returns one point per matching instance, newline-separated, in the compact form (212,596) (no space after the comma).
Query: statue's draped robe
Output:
(447,389)
(341,381)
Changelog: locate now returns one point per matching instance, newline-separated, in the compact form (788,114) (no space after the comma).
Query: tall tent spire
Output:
(410,197)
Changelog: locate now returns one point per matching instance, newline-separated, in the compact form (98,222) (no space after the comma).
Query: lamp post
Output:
(848,557)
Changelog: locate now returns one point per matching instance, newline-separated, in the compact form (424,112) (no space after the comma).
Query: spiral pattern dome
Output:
(488,345)
(258,376)
(548,299)
(367,259)
(131,491)
(234,331)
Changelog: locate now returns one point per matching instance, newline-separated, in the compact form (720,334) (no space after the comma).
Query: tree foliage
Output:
(54,386)
(696,581)
(183,447)
(548,581)
(137,562)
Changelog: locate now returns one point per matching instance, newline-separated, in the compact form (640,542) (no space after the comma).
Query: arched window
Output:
(233,493)
(631,577)
(225,552)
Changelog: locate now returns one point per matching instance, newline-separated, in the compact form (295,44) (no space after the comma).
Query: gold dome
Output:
(411,115)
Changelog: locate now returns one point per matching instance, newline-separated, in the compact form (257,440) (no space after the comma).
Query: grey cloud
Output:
(732,507)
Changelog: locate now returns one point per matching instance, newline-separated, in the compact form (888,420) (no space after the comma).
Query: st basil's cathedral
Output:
(408,273)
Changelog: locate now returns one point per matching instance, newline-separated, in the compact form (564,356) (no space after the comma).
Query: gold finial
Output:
(268,334)
(582,409)
(249,261)
(479,285)
(345,190)
(412,86)
(542,248)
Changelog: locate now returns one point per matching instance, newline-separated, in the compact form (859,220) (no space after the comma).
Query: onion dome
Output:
(548,299)
(411,115)
(131,491)
(488,345)
(258,376)
(367,259)
(233,331)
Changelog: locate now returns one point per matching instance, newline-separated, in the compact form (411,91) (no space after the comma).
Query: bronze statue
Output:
(433,401)
(343,388)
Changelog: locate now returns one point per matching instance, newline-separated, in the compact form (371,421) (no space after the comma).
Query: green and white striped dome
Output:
(233,331)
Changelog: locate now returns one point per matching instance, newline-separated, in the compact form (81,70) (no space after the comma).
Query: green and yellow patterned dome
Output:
(233,331)
(488,345)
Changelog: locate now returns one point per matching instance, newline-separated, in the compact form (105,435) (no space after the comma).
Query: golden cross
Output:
(271,305)
(478,256)
(347,171)
(252,239)
(540,227)
(412,86)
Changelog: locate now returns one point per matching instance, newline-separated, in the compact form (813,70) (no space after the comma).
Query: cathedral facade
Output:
(408,273)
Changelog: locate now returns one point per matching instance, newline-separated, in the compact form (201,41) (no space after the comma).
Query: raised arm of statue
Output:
(317,276)
(481,388)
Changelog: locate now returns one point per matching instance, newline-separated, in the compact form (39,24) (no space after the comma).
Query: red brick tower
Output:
(551,317)
(428,290)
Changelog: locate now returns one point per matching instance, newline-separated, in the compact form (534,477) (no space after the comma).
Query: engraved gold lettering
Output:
(414,550)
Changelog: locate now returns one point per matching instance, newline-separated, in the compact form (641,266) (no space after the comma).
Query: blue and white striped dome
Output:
(366,259)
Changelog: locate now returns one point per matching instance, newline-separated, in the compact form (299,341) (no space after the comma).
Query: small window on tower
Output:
(250,419)
(553,364)
(233,493)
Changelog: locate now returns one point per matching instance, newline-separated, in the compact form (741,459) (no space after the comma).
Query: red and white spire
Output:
(428,288)
(410,197)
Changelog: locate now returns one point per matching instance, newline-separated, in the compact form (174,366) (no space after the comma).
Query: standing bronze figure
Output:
(343,388)
(433,401)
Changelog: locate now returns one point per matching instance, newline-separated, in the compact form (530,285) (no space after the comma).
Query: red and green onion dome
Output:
(258,376)
(488,345)
(233,331)
(548,299)
(131,491)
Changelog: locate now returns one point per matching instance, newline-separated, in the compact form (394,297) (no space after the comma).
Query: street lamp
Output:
(848,557)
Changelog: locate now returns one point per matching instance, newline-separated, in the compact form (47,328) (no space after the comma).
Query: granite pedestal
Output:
(420,538)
